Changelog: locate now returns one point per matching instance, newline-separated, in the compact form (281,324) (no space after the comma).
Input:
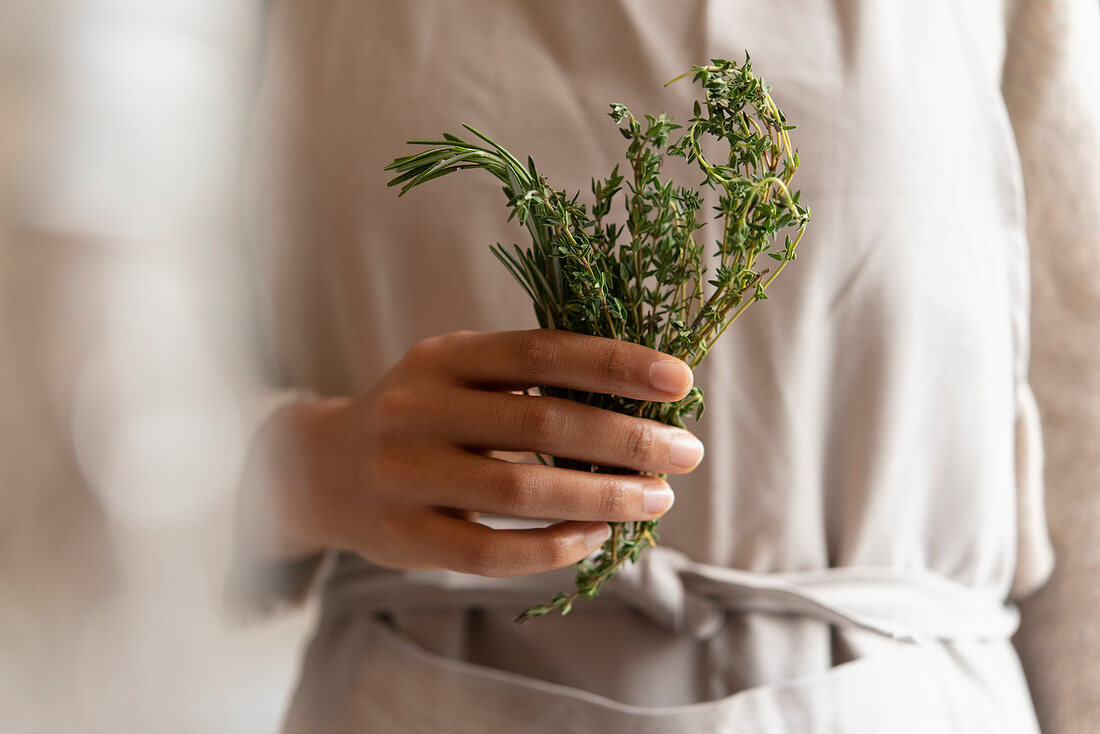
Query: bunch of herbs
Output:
(644,276)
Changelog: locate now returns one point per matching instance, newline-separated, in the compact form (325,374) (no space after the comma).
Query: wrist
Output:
(287,474)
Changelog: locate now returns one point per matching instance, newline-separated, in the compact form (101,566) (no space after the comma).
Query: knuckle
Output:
(484,559)
(558,552)
(614,500)
(425,350)
(432,350)
(519,491)
(450,341)
(535,353)
(393,528)
(543,423)
(395,409)
(387,468)
(614,363)
(640,443)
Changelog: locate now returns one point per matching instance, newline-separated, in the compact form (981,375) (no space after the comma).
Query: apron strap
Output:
(682,595)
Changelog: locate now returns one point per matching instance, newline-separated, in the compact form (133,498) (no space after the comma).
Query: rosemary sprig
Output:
(646,280)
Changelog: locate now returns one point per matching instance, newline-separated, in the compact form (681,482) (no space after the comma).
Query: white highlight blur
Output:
(124,371)
(144,100)
(155,424)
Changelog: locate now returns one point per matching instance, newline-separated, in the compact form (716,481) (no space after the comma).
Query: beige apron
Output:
(841,560)
(386,682)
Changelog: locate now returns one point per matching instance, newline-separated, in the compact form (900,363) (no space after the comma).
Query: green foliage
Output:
(646,280)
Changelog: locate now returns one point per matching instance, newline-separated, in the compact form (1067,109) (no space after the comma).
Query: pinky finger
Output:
(469,547)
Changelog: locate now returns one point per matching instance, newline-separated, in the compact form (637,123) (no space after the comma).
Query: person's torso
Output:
(862,416)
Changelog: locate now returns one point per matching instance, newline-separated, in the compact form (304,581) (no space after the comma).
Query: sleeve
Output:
(258,586)
(1051,87)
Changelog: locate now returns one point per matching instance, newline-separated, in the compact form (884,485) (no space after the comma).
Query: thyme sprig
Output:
(645,278)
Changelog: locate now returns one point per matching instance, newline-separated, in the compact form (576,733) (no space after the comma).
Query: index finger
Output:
(522,359)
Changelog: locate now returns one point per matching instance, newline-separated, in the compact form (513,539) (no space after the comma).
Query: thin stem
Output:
(603,301)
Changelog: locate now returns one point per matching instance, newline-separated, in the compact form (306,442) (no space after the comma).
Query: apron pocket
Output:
(363,675)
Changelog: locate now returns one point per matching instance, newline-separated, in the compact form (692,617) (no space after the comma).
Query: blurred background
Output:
(123,416)
(121,425)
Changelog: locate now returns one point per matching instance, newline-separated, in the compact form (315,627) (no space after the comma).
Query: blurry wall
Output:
(122,305)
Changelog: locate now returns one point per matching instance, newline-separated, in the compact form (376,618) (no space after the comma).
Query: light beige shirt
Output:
(842,561)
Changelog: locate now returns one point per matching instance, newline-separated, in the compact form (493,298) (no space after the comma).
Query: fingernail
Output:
(670,376)
(657,499)
(596,534)
(685,451)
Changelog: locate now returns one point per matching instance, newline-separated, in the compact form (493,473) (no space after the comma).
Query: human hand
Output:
(401,473)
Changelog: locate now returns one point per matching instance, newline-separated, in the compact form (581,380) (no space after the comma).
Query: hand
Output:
(401,473)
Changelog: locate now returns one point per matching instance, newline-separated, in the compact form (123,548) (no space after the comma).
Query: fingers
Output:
(521,359)
(430,482)
(484,484)
(559,427)
(473,548)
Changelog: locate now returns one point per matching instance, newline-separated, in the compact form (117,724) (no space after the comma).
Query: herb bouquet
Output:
(646,280)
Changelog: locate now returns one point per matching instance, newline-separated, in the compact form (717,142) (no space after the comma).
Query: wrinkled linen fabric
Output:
(842,560)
